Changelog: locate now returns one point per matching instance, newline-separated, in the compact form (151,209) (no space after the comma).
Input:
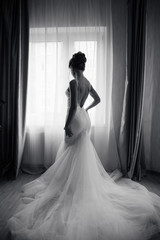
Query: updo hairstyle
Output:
(78,61)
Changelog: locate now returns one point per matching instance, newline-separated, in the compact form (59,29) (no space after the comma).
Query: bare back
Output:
(83,88)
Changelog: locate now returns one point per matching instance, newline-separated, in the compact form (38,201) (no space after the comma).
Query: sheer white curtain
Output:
(58,29)
(151,111)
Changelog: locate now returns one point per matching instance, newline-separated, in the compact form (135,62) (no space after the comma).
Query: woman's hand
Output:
(68,132)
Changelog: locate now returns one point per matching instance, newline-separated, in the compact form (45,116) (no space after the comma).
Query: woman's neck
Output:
(79,75)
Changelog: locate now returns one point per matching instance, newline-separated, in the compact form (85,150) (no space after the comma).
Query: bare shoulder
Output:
(72,82)
(87,83)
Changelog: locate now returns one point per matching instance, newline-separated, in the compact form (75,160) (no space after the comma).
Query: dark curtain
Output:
(131,123)
(14,34)
(119,20)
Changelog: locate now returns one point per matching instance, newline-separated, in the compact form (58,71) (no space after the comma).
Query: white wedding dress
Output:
(76,199)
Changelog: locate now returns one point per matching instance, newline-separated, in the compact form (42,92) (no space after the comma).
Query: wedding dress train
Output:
(76,199)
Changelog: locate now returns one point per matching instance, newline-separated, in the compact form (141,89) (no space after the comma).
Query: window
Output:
(49,52)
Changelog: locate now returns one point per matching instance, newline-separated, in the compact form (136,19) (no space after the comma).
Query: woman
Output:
(75,199)
(78,91)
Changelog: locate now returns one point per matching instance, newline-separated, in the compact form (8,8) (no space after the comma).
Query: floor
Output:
(10,194)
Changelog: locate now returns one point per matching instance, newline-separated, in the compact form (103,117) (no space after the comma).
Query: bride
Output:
(76,199)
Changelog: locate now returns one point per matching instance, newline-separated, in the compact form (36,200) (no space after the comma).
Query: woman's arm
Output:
(96,98)
(73,107)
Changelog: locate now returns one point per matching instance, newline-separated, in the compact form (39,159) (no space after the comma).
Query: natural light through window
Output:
(48,67)
(44,66)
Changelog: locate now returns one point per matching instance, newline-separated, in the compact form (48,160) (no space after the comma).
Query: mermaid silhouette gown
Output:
(76,199)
